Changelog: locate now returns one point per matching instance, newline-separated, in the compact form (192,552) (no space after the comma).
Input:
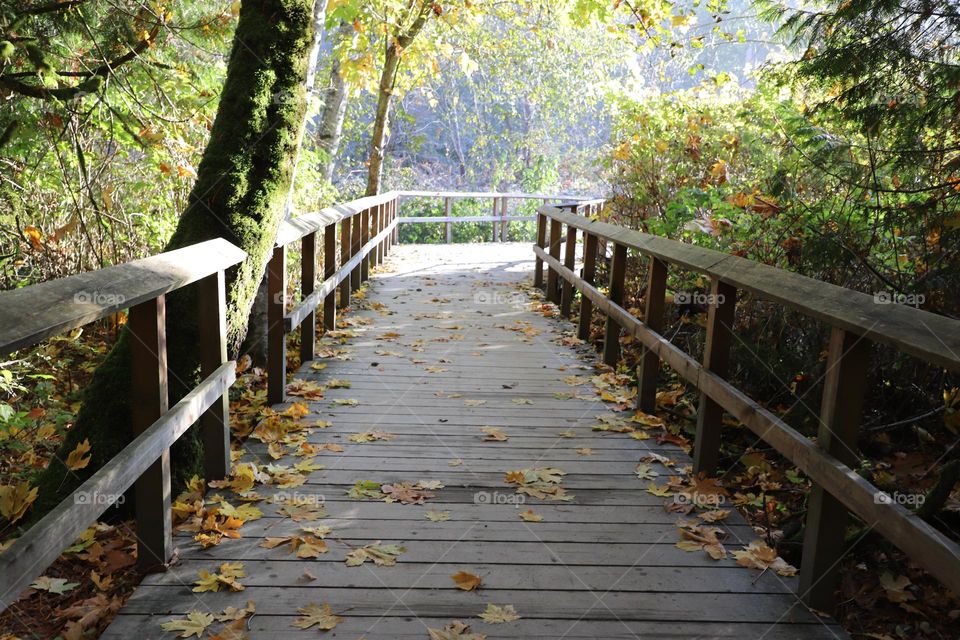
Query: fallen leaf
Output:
(314,614)
(194,624)
(530,516)
(78,458)
(382,555)
(466,581)
(495,614)
(58,586)
(438,516)
(456,630)
(758,555)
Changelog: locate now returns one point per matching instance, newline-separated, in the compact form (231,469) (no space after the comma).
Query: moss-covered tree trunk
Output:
(240,192)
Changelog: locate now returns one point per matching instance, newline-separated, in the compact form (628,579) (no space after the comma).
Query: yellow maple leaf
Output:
(76,459)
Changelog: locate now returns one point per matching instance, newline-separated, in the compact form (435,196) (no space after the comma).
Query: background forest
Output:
(820,137)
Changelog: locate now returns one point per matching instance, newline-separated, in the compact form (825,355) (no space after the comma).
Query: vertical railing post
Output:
(148,381)
(494,236)
(308,281)
(374,224)
(364,238)
(553,288)
(716,359)
(356,231)
(381,225)
(329,269)
(542,243)
(504,226)
(649,367)
(448,226)
(569,258)
(394,214)
(215,421)
(841,409)
(611,336)
(346,236)
(589,273)
(276,338)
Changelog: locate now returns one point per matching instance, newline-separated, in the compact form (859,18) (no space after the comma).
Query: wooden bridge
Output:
(444,432)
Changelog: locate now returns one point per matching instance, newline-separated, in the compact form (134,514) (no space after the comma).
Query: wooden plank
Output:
(215,421)
(400,625)
(844,390)
(31,314)
(928,336)
(724,607)
(44,541)
(448,219)
(716,358)
(148,389)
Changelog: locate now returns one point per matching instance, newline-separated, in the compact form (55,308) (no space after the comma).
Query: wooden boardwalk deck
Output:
(604,565)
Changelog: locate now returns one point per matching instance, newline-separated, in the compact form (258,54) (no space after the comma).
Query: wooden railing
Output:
(500,209)
(32,314)
(855,320)
(365,230)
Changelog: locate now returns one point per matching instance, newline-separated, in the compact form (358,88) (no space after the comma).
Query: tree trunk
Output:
(240,192)
(384,97)
(388,80)
(334,111)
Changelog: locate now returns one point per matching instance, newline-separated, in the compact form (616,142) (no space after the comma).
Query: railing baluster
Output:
(553,285)
(148,381)
(329,270)
(215,421)
(395,213)
(308,281)
(611,336)
(364,238)
(504,227)
(448,226)
(716,358)
(276,338)
(589,273)
(381,225)
(542,243)
(841,409)
(356,228)
(375,214)
(345,248)
(569,258)
(649,367)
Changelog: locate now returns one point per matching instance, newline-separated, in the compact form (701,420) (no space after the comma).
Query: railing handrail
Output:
(928,336)
(828,462)
(34,313)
